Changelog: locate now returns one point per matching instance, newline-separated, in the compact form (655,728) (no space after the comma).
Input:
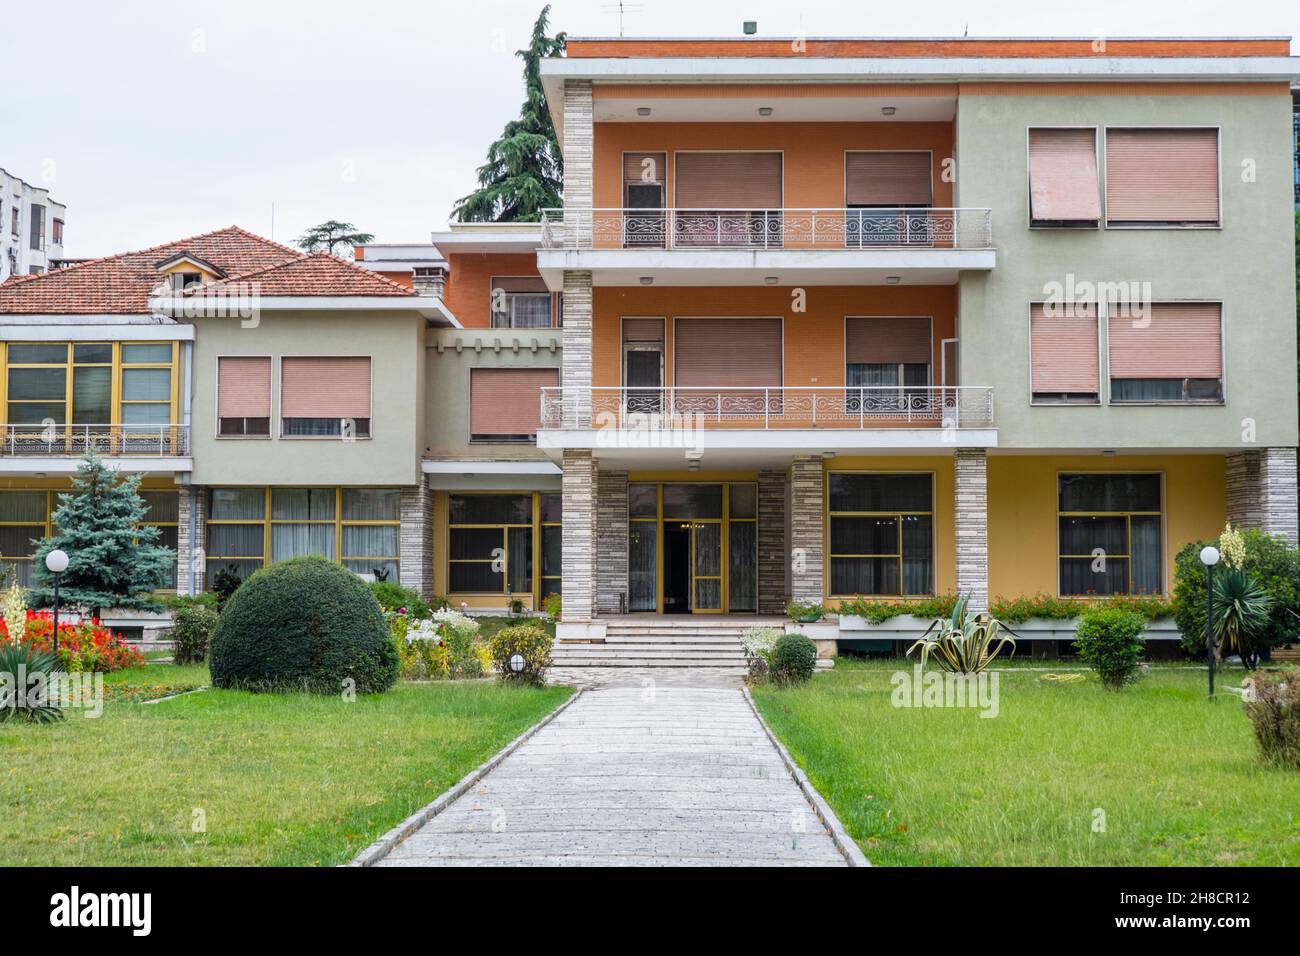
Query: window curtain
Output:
(743,558)
(301,540)
(643,594)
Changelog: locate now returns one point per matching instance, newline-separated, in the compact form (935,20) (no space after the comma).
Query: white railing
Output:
(46,441)
(694,229)
(947,406)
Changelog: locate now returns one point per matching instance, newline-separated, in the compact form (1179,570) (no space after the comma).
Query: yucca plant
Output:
(1241,615)
(962,643)
(19,662)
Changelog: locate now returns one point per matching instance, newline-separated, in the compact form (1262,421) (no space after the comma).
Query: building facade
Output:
(819,320)
(31,228)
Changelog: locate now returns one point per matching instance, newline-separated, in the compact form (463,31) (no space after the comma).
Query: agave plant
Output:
(963,643)
(1241,615)
(19,662)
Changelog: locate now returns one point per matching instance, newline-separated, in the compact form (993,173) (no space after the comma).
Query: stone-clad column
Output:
(578,143)
(972,520)
(416,539)
(575,370)
(192,507)
(772,551)
(1261,491)
(611,542)
(579,539)
(807,528)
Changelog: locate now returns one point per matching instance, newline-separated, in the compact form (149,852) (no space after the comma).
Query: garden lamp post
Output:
(517,663)
(1209,558)
(57,562)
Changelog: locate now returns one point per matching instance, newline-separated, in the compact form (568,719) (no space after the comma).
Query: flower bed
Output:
(83,646)
(443,646)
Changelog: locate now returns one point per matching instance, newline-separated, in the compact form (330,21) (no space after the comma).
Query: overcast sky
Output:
(152,120)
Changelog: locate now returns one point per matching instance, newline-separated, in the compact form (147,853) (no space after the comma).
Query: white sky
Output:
(154,121)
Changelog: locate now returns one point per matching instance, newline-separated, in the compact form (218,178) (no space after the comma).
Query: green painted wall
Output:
(1248,265)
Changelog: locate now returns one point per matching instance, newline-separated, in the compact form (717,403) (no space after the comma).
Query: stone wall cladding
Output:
(611,542)
(579,489)
(1261,491)
(772,549)
(971,503)
(192,504)
(578,155)
(807,525)
(415,540)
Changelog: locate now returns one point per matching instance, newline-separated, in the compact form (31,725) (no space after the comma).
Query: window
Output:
(644,180)
(14,226)
(37,234)
(881,354)
(57,232)
(72,383)
(881,534)
(727,361)
(1174,353)
(179,281)
(1110,534)
(24,520)
(360,527)
(1064,361)
(164,514)
(326,397)
(1162,177)
(1063,178)
(878,186)
(505,404)
(520,302)
(495,540)
(244,396)
(728,199)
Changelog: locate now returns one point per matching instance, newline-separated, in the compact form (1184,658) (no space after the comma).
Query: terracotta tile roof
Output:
(121,284)
(317,274)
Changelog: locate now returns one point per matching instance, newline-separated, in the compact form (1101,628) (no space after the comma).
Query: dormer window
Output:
(183,280)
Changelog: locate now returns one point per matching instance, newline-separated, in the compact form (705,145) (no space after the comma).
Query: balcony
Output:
(739,423)
(748,246)
(73,441)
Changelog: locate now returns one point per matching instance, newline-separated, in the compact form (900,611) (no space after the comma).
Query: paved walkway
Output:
(673,776)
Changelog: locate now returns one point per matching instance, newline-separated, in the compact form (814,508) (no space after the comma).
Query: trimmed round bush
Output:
(531,643)
(794,658)
(304,624)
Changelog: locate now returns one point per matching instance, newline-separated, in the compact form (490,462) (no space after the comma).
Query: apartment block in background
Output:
(31,228)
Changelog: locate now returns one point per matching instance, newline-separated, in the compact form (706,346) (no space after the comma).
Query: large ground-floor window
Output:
(1110,534)
(497,540)
(250,527)
(881,530)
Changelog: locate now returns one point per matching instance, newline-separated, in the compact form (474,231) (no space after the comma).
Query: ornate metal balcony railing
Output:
(660,409)
(695,229)
(53,441)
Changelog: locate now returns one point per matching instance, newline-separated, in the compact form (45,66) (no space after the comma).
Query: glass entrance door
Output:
(706,567)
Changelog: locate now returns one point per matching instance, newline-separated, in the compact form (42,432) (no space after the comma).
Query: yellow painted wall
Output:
(1023,503)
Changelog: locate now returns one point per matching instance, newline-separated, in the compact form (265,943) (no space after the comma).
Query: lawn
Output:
(290,779)
(1175,775)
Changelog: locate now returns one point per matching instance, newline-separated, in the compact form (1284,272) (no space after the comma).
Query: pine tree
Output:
(332,233)
(524,172)
(113,560)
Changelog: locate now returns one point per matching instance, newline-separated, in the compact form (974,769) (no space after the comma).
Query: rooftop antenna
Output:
(273,222)
(622,7)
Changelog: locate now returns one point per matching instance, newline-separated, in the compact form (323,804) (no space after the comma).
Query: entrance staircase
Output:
(686,649)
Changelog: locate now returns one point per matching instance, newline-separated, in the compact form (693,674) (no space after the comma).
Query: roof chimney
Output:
(429,280)
(751,27)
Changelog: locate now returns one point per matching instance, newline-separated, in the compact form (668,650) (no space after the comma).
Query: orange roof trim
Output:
(576,48)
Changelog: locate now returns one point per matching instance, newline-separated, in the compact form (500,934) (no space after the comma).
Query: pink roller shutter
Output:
(508,401)
(643,330)
(1162,175)
(887,340)
(637,170)
(1063,175)
(728,181)
(719,353)
(244,387)
(1064,350)
(325,387)
(887,178)
(1180,340)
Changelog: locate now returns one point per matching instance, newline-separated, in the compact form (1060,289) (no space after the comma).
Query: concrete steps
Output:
(687,644)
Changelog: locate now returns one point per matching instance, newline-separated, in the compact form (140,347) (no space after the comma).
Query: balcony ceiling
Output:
(800,109)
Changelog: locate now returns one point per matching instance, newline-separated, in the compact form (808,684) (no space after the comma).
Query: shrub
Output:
(1111,642)
(877,612)
(553,605)
(1241,615)
(304,624)
(394,597)
(457,633)
(758,643)
(963,643)
(225,583)
(1051,608)
(36,704)
(794,658)
(1273,707)
(192,627)
(806,611)
(530,642)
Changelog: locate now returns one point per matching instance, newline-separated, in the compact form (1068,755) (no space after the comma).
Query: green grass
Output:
(1176,775)
(291,779)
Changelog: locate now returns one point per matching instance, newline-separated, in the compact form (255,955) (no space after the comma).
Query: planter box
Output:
(908,626)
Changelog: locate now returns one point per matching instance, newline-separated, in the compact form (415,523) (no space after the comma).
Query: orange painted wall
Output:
(469,290)
(814,340)
(578,47)
(814,153)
